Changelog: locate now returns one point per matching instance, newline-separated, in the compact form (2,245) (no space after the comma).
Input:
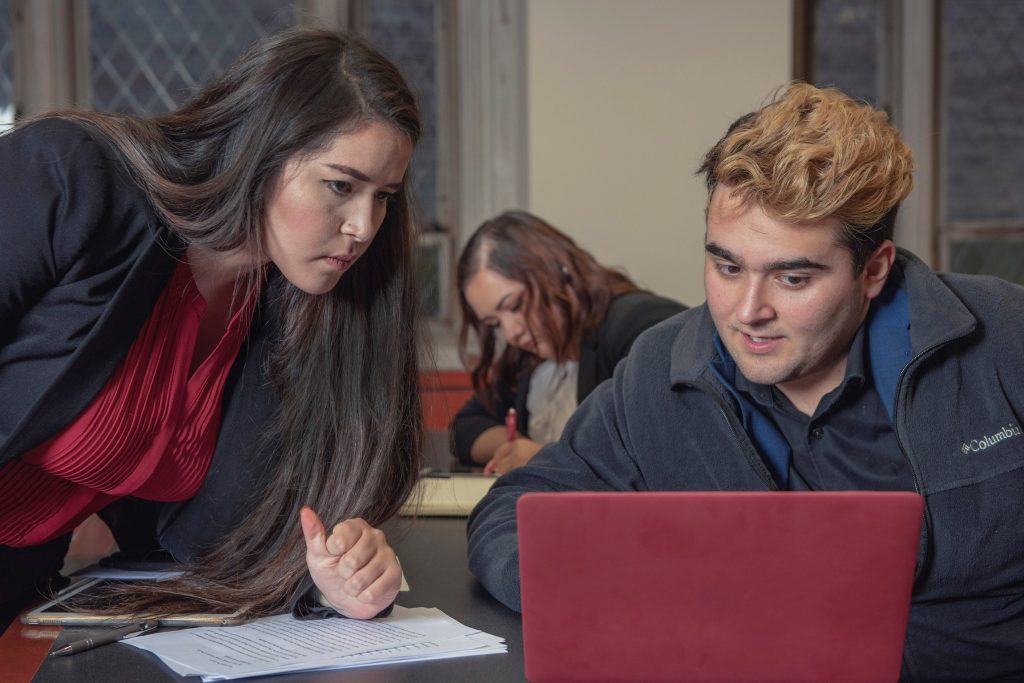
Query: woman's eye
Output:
(342,187)
(385,197)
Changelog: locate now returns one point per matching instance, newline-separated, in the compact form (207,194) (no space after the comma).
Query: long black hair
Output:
(345,366)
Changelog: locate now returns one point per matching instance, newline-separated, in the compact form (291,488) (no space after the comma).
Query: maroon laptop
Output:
(723,586)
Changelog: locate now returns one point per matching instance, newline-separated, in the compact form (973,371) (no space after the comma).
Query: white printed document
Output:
(282,644)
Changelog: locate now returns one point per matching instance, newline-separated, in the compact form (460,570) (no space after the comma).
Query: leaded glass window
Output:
(405,30)
(976,132)
(981,119)
(846,44)
(149,56)
(982,110)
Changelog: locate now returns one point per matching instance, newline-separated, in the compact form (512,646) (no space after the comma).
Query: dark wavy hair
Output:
(567,294)
(344,368)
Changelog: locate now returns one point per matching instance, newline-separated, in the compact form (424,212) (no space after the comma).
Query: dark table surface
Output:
(433,556)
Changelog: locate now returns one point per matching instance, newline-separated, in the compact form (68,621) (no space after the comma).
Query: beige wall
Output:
(625,96)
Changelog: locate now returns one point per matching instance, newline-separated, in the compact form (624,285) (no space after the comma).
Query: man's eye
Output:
(728,268)
(794,280)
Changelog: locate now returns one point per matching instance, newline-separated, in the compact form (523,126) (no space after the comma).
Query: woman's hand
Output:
(355,569)
(511,455)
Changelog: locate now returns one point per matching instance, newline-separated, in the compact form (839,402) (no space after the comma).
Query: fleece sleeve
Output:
(592,455)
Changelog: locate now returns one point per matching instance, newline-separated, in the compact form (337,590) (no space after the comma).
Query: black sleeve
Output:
(474,418)
(44,232)
(592,455)
(307,607)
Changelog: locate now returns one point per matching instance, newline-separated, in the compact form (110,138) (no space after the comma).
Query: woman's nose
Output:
(359,223)
(511,329)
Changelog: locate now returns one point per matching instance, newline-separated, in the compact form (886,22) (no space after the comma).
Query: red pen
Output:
(510,425)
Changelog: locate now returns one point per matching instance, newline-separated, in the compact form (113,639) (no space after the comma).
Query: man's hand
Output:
(355,569)
(511,455)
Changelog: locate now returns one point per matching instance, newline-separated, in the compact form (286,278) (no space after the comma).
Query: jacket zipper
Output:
(741,436)
(910,461)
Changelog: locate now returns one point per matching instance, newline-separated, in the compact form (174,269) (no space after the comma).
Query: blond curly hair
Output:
(816,153)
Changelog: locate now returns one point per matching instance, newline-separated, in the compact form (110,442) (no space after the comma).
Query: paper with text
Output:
(281,643)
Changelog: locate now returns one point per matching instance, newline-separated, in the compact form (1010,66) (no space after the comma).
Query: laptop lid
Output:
(723,586)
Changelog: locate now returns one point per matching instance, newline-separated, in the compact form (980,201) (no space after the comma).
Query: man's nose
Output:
(754,305)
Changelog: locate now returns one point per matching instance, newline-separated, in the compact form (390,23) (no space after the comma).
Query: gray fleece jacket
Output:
(666,422)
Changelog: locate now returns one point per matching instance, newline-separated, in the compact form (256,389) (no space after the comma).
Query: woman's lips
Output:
(339,263)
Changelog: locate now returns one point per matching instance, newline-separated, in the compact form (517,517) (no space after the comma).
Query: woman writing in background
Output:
(564,321)
(205,335)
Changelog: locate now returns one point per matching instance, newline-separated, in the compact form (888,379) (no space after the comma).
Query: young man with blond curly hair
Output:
(825,358)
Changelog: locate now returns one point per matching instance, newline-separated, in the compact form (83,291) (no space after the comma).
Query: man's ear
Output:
(877,268)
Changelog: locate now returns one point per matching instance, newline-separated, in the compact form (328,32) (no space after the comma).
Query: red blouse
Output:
(149,433)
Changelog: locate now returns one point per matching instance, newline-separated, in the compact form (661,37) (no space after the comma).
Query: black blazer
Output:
(84,258)
(628,315)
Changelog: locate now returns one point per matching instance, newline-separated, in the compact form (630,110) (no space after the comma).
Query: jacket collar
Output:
(897,332)
(936,316)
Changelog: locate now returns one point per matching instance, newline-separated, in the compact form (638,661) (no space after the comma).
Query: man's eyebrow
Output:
(801,263)
(359,175)
(721,252)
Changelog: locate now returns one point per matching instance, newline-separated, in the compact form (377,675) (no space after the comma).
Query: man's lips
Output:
(759,343)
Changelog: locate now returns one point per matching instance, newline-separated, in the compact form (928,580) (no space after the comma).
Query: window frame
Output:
(482,86)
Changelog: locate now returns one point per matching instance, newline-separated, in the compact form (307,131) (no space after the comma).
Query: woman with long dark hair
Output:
(548,323)
(205,335)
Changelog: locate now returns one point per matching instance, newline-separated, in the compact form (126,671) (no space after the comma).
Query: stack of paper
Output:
(283,644)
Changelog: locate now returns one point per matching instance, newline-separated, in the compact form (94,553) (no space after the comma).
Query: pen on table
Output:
(510,425)
(431,473)
(111,636)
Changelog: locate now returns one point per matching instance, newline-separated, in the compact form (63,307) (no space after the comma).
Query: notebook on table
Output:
(445,488)
(724,586)
(446,494)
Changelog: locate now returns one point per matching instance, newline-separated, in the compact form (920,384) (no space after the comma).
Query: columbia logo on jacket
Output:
(978,445)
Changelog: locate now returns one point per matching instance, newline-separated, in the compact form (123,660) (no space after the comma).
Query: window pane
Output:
(1002,258)
(982,99)
(6,67)
(405,30)
(433,270)
(847,46)
(149,56)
